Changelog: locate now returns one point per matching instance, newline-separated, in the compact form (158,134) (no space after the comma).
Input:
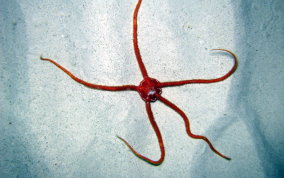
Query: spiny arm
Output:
(200,81)
(187,126)
(91,85)
(159,136)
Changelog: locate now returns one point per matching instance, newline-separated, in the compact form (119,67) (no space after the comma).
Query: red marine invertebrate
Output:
(150,90)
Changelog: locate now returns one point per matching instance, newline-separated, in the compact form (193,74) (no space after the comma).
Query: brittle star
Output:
(150,90)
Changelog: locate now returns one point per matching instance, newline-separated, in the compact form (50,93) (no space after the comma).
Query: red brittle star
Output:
(150,90)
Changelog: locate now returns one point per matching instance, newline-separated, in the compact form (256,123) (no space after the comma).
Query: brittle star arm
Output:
(187,126)
(159,136)
(91,85)
(135,42)
(184,82)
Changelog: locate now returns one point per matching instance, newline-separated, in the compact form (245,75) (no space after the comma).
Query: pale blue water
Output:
(51,126)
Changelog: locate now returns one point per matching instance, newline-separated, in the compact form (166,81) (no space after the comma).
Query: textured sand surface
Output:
(51,126)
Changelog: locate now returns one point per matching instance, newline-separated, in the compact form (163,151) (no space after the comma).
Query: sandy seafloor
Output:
(51,126)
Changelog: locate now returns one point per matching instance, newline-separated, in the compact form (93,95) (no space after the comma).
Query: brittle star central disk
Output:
(149,89)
